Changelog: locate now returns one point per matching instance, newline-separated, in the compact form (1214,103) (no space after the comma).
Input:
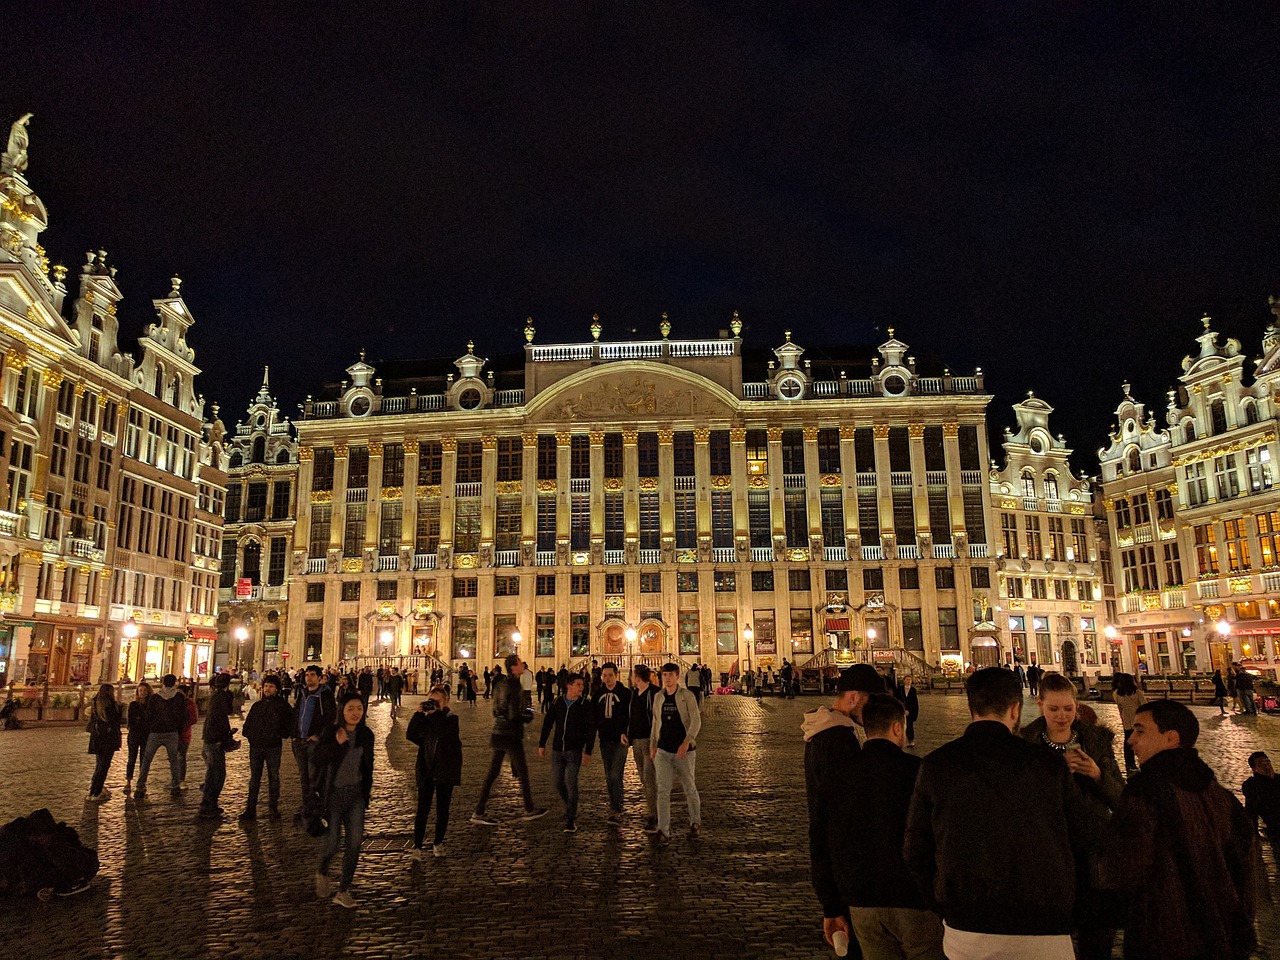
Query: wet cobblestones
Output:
(172,886)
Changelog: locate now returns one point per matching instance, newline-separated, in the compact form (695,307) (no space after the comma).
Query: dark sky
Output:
(1054,191)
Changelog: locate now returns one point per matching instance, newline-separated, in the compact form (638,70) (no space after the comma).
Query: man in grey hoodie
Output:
(166,713)
(830,743)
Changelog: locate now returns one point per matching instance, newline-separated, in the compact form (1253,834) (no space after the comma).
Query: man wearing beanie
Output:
(268,725)
(830,744)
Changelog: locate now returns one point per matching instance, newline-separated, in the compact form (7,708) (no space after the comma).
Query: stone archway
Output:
(1070,658)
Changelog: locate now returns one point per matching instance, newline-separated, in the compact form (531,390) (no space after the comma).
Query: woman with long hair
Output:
(1087,750)
(1129,697)
(138,731)
(434,728)
(1219,693)
(104,739)
(344,760)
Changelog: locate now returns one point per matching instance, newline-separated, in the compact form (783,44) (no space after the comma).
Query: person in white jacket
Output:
(677,721)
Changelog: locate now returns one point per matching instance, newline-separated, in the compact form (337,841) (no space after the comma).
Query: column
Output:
(373,497)
(702,483)
(738,466)
(338,519)
(564,518)
(448,477)
(630,493)
(849,492)
(51,380)
(597,495)
(666,492)
(777,522)
(488,491)
(409,508)
(884,489)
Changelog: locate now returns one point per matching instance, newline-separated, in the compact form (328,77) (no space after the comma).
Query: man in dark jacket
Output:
(364,684)
(1180,849)
(831,744)
(639,728)
(996,905)
(1262,795)
(612,706)
(166,715)
(573,722)
(507,740)
(269,723)
(217,737)
(866,803)
(313,715)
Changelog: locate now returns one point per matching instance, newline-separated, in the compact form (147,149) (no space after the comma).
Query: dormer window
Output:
(1029,485)
(1050,487)
(1134,460)
(1217,417)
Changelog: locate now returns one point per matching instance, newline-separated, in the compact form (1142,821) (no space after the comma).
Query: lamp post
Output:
(630,635)
(129,630)
(242,634)
(386,636)
(749,635)
(1111,633)
(516,638)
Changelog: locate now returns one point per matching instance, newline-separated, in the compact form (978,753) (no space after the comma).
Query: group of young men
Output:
(978,849)
(657,724)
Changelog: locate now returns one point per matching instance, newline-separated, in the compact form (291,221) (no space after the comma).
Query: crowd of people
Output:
(909,859)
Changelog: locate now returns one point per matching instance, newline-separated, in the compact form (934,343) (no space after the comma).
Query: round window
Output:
(1037,445)
(360,406)
(790,388)
(894,386)
(261,420)
(469,399)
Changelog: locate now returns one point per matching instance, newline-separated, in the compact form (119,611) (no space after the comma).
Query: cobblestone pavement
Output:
(172,886)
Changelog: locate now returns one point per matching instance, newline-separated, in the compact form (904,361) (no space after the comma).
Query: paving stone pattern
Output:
(172,886)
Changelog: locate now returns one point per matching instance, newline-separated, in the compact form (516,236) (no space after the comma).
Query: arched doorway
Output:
(984,652)
(1070,661)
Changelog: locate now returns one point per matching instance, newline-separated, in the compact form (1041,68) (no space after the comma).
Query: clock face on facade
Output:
(469,399)
(790,388)
(895,386)
(360,406)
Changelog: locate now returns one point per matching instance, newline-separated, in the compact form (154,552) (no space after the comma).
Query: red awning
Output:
(837,623)
(203,634)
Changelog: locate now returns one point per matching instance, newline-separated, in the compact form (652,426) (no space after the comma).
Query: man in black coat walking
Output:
(269,723)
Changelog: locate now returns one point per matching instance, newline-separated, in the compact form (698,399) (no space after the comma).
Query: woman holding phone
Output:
(1087,750)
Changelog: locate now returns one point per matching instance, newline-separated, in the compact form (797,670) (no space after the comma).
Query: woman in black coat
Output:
(908,697)
(139,730)
(344,762)
(434,728)
(104,739)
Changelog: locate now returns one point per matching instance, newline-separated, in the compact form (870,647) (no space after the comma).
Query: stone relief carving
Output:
(638,397)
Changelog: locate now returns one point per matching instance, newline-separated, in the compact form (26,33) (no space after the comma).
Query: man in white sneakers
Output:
(673,739)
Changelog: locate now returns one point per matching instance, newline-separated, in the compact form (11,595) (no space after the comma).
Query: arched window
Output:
(259,450)
(1188,429)
(1050,486)
(235,461)
(1250,413)
(159,384)
(282,456)
(177,391)
(1217,417)
(1134,460)
(252,565)
(1028,484)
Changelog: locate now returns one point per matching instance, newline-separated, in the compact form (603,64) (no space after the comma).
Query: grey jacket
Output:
(690,715)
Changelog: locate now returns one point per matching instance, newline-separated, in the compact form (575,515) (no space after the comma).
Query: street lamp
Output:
(129,630)
(1111,633)
(1224,628)
(242,635)
(749,635)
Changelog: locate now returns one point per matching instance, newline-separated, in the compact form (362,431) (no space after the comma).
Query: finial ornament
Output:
(736,324)
(1206,320)
(787,335)
(362,354)
(595,326)
(665,325)
(529,330)
(471,346)
(15,158)
(891,332)
(177,286)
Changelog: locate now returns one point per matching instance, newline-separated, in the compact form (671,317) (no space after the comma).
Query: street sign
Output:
(244,588)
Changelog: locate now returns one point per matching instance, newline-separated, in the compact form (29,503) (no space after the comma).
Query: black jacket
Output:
(574,725)
(978,797)
(329,756)
(509,713)
(139,727)
(166,715)
(863,808)
(1099,798)
(640,723)
(322,717)
(104,725)
(612,714)
(217,722)
(439,746)
(910,700)
(364,684)
(270,720)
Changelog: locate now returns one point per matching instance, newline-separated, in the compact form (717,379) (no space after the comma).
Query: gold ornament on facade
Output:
(386,609)
(530,438)
(78,390)
(666,436)
(581,558)
(15,360)
(1241,584)
(322,496)
(14,205)
(810,434)
(54,378)
(375,448)
(546,486)
(597,438)
(798,554)
(737,435)
(507,486)
(950,430)
(629,437)
(686,556)
(613,483)
(488,442)
(1077,511)
(411,445)
(563,438)
(848,433)
(1008,503)
(775,434)
(352,565)
(392,493)
(448,444)
(1086,607)
(757,481)
(431,490)
(881,431)
(830,480)
(304,453)
(915,431)
(32,555)
(340,450)
(648,483)
(721,482)
(615,602)
(702,434)
(89,297)
(111,309)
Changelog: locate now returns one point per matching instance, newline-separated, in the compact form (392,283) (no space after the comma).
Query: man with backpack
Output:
(166,715)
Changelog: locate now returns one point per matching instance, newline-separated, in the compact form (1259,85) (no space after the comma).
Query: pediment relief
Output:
(632,393)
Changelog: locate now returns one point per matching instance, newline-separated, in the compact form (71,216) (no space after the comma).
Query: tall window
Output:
(227,577)
(1124,518)
(276,562)
(1235,540)
(280,500)
(1225,476)
(1079,540)
(868,515)
(1258,463)
(353,532)
(975,514)
(1050,486)
(832,504)
(1035,546)
(1218,417)
(682,453)
(904,515)
(1141,509)
(1197,483)
(358,467)
(1057,539)
(1269,537)
(510,458)
(1028,485)
(1206,548)
(470,462)
(466,524)
(828,450)
(389,528)
(939,514)
(426,537)
(546,520)
(1172,564)
(722,518)
(1009,533)
(758,518)
(1164,505)
(58,455)
(686,519)
(393,465)
(547,457)
(321,520)
(793,451)
(506,533)
(580,456)
(1147,567)
(721,454)
(580,521)
(650,525)
(795,518)
(613,455)
(647,454)
(864,449)
(430,463)
(255,508)
(322,467)
(614,522)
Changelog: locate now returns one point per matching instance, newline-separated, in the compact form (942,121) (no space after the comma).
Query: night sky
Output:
(1053,191)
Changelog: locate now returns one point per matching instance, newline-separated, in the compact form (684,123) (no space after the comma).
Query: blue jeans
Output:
(613,757)
(155,741)
(215,775)
(565,765)
(346,809)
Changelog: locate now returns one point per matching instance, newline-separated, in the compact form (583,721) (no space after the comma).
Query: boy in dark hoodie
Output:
(573,721)
(166,714)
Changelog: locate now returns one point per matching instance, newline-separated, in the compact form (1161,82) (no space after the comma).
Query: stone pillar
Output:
(778,523)
(373,498)
(564,514)
(338,518)
(702,483)
(409,501)
(597,495)
(741,510)
(666,492)
(631,493)
(448,477)
(884,487)
(528,500)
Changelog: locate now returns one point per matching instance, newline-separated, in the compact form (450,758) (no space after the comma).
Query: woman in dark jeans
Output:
(104,739)
(344,761)
(434,728)
(138,730)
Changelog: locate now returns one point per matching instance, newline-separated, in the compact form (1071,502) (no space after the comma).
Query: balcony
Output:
(466,490)
(424,561)
(835,554)
(583,484)
(979,551)
(1175,599)
(615,556)
(971,478)
(723,554)
(755,391)
(393,405)
(1207,589)
(650,556)
(12,524)
(85,549)
(1030,503)
(908,551)
(386,563)
(508,398)
(935,478)
(900,478)
(873,553)
(357,495)
(1271,582)
(793,481)
(944,551)
(545,558)
(506,558)
(762,554)
(866,480)
(317,565)
(1053,506)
